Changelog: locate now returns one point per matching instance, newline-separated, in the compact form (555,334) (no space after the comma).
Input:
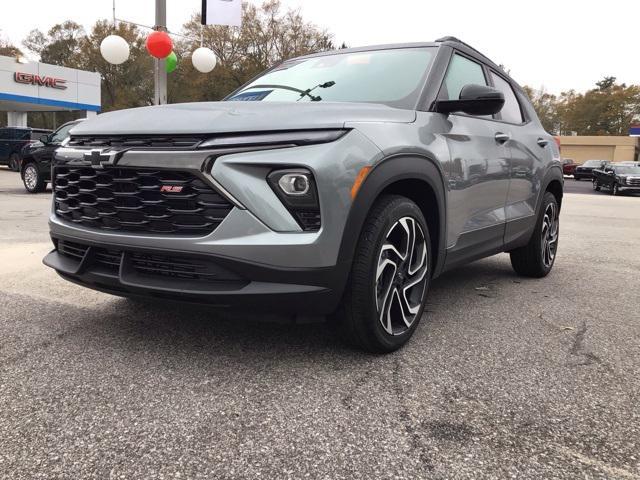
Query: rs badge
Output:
(171,188)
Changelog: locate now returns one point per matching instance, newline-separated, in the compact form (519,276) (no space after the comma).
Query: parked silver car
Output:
(338,183)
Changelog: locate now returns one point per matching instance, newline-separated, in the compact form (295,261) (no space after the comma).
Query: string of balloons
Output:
(115,50)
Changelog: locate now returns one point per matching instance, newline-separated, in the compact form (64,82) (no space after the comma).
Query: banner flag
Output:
(222,12)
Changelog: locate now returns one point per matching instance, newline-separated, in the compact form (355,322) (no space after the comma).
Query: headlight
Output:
(296,189)
(295,138)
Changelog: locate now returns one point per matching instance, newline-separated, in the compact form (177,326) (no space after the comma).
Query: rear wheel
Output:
(14,162)
(389,278)
(33,179)
(536,259)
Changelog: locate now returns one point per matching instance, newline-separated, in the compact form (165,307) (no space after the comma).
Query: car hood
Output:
(226,117)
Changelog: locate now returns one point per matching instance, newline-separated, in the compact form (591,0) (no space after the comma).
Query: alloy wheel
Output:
(550,229)
(401,276)
(30,177)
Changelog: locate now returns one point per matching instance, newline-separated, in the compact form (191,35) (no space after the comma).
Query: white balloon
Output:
(114,49)
(203,59)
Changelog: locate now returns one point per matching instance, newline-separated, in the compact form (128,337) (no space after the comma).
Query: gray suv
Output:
(338,184)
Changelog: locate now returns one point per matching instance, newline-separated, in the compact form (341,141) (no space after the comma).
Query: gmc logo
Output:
(171,188)
(33,79)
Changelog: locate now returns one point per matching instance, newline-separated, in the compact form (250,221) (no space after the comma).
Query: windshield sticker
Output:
(250,96)
(359,59)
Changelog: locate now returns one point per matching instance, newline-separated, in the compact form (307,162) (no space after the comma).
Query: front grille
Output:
(151,265)
(173,267)
(108,259)
(635,181)
(72,250)
(135,141)
(131,200)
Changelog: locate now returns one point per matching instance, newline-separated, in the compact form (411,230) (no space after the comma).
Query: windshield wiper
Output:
(303,93)
(315,98)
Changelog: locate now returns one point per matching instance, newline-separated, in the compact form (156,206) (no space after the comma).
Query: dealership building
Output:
(40,87)
(611,148)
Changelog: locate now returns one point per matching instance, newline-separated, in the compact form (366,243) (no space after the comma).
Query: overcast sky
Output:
(558,44)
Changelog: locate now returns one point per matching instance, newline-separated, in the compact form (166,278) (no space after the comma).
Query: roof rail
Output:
(457,40)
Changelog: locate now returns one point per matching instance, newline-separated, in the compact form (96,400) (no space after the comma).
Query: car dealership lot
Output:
(505,376)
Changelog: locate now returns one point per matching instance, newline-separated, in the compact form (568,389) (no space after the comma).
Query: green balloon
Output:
(171,62)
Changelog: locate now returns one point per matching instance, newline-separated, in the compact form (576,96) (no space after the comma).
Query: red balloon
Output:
(159,44)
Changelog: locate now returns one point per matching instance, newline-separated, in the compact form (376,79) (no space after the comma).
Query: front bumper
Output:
(280,266)
(629,188)
(196,278)
(583,174)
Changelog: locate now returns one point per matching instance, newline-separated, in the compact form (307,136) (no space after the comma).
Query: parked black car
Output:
(13,140)
(586,169)
(617,178)
(36,158)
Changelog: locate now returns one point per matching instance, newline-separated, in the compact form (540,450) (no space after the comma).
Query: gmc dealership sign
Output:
(33,79)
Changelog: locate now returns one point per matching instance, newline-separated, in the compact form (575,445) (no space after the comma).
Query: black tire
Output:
(14,162)
(614,189)
(530,260)
(596,186)
(577,179)
(33,186)
(358,317)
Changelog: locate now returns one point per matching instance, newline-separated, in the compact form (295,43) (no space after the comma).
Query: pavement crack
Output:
(404,414)
(578,348)
(614,472)
(347,399)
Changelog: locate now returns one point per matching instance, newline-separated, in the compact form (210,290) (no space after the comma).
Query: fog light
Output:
(294,183)
(296,189)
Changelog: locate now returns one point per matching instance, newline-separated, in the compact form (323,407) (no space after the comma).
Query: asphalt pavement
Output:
(505,378)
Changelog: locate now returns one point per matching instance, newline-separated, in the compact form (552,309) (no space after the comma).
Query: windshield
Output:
(628,169)
(594,163)
(393,77)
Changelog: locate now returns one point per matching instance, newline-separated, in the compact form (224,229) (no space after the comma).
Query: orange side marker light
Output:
(362,174)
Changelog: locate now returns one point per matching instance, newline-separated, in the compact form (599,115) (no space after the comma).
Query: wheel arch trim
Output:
(388,171)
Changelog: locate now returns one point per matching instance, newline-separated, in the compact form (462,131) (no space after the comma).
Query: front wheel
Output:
(596,186)
(614,189)
(389,278)
(33,179)
(536,259)
(14,162)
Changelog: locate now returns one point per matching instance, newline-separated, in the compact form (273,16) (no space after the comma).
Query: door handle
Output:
(543,142)
(502,137)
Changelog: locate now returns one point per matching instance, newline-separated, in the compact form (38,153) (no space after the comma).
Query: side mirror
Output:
(474,100)
(45,139)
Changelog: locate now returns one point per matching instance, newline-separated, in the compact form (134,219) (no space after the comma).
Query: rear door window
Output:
(511,111)
(22,135)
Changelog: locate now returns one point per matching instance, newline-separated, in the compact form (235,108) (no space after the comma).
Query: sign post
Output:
(160,72)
